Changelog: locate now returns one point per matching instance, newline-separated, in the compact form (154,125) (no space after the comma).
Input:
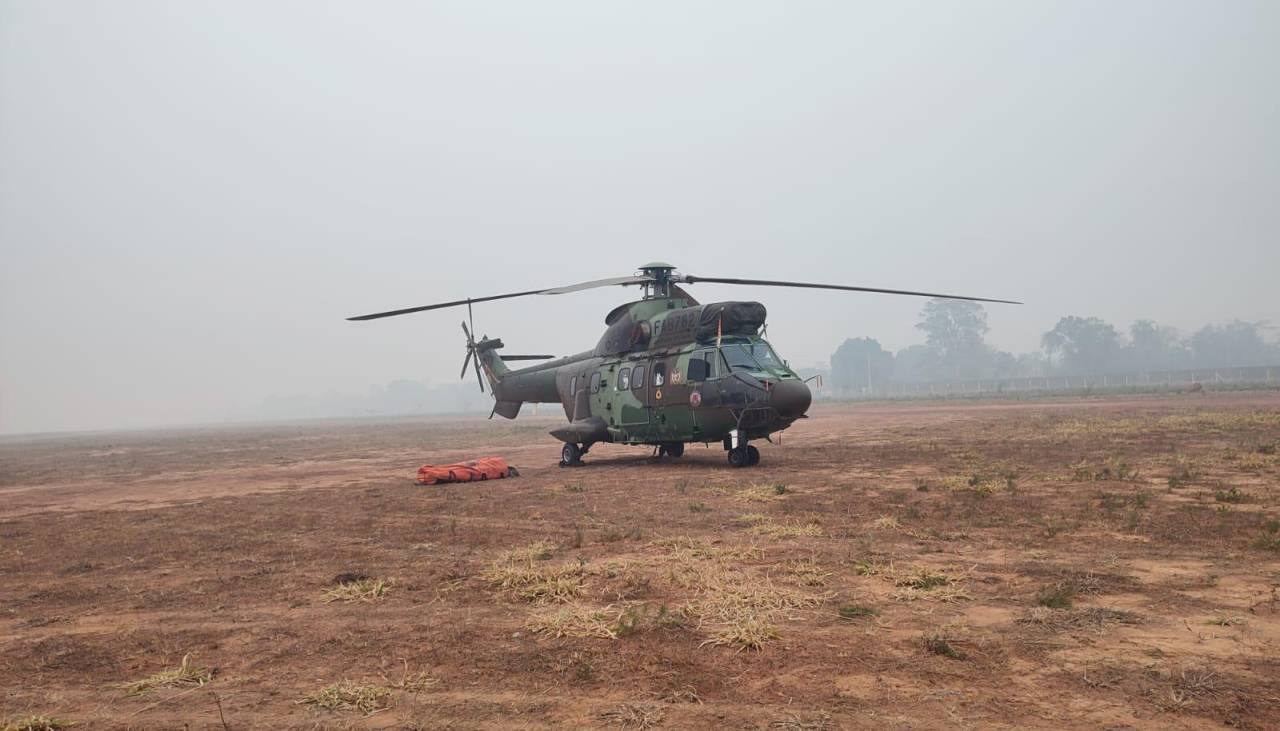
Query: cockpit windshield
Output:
(751,356)
(764,355)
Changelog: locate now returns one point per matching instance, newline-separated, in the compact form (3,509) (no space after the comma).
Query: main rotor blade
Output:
(690,279)
(527,357)
(633,279)
(611,281)
(441,305)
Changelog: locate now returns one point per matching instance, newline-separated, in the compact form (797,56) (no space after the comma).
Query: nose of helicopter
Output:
(791,399)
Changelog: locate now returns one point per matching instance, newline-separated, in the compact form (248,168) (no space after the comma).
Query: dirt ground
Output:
(1108,563)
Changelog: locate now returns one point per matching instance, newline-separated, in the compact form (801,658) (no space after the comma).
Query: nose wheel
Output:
(744,455)
(671,449)
(571,455)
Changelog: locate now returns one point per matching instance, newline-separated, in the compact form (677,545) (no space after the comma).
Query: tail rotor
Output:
(472,356)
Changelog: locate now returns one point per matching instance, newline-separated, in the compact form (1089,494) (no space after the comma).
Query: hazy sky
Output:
(193,195)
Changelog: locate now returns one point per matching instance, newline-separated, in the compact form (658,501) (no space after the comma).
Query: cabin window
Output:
(659,374)
(624,379)
(595,383)
(702,366)
(637,378)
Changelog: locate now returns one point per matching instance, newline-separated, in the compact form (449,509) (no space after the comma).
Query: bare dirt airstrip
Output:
(1107,563)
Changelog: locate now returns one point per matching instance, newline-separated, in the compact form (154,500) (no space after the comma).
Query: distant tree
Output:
(1031,365)
(860,362)
(914,363)
(1236,343)
(954,331)
(400,397)
(1001,364)
(1085,344)
(1154,348)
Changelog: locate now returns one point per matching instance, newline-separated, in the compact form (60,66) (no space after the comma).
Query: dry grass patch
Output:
(943,595)
(918,577)
(184,674)
(762,493)
(1184,470)
(556,584)
(608,623)
(979,482)
(739,608)
(634,715)
(536,551)
(688,544)
(522,570)
(36,723)
(913,583)
(940,644)
(746,632)
(1094,619)
(345,696)
(411,682)
(1190,685)
(808,572)
(686,694)
(869,568)
(363,589)
(1200,423)
(685,549)
(1227,621)
(803,722)
(885,522)
(856,611)
(765,526)
(721,589)
(1056,596)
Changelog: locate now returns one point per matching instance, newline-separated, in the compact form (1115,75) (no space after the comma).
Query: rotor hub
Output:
(661,272)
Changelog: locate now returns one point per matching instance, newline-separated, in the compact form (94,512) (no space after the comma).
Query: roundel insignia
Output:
(695,399)
(658,394)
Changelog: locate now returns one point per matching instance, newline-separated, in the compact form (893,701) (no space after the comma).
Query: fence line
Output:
(1261,375)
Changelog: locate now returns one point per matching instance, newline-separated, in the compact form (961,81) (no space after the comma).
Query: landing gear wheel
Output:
(753,455)
(739,457)
(571,455)
(673,449)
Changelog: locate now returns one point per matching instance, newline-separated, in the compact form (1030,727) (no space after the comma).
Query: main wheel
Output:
(753,455)
(674,449)
(570,455)
(738,457)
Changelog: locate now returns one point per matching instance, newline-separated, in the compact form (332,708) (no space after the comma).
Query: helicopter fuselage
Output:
(667,371)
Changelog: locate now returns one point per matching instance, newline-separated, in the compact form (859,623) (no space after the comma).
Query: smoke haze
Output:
(194,196)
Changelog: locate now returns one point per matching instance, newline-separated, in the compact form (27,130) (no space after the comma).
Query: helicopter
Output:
(667,372)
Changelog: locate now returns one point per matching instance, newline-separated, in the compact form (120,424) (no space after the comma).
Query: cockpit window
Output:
(751,356)
(764,355)
(738,356)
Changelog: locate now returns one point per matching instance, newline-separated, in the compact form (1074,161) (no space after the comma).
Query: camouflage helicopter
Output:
(668,371)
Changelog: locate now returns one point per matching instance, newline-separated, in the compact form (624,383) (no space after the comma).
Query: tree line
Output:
(955,348)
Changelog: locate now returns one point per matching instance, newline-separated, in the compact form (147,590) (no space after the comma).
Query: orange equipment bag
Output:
(485,468)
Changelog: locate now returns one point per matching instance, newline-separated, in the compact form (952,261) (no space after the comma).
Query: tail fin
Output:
(495,370)
(492,364)
(507,401)
(495,366)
